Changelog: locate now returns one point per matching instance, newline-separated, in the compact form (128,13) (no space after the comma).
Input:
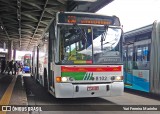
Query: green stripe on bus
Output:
(75,75)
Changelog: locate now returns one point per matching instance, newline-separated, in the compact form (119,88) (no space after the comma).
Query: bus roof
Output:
(138,31)
(139,34)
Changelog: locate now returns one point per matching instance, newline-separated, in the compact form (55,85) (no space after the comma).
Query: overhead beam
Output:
(19,20)
(39,2)
(31,17)
(46,29)
(39,21)
(27,25)
(9,19)
(9,4)
(4,28)
(32,4)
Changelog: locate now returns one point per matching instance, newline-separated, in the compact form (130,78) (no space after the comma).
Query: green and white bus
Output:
(83,57)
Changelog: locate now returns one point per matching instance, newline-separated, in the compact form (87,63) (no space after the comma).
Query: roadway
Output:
(27,91)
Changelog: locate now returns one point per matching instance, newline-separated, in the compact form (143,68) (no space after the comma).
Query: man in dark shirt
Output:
(10,67)
(15,67)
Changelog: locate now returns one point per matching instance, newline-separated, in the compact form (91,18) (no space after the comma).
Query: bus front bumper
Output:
(69,90)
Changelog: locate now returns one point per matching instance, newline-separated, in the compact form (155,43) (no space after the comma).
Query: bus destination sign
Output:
(85,19)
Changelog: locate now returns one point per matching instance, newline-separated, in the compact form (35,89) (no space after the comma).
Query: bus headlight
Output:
(64,79)
(117,78)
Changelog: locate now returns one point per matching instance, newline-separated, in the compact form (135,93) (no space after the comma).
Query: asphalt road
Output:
(38,96)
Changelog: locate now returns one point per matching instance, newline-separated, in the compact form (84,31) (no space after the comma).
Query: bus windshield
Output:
(89,44)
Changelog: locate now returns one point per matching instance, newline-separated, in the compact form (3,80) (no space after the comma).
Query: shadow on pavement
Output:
(35,92)
(143,94)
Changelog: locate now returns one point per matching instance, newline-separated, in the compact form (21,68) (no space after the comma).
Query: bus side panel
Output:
(34,63)
(155,59)
(43,65)
(139,80)
(137,60)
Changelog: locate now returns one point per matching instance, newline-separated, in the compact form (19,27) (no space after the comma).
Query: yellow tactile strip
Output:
(7,95)
(14,95)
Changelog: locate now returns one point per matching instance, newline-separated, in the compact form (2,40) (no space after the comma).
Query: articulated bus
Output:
(83,57)
(142,59)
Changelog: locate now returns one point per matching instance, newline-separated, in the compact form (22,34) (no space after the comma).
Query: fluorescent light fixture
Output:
(2,27)
(4,46)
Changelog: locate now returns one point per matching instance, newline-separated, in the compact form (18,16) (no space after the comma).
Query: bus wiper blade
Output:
(103,37)
(83,34)
(111,44)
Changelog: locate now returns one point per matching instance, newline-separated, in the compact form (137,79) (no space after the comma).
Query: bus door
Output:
(141,68)
(51,54)
(129,66)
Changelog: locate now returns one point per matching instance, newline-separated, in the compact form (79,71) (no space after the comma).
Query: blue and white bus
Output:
(142,58)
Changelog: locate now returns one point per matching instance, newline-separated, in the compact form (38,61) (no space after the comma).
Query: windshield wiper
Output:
(82,33)
(111,44)
(103,37)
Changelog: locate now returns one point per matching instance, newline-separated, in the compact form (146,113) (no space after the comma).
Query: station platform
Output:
(12,92)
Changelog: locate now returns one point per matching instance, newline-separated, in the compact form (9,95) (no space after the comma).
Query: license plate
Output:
(90,88)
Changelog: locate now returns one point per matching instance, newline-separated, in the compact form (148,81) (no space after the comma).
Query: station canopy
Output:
(25,22)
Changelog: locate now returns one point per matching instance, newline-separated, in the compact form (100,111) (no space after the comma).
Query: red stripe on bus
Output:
(90,69)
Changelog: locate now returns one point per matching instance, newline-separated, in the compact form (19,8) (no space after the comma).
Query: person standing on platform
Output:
(15,67)
(10,67)
(3,65)
(7,67)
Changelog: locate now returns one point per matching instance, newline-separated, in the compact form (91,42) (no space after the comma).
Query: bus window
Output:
(139,54)
(142,54)
(145,60)
(145,53)
(125,54)
(130,58)
(73,40)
